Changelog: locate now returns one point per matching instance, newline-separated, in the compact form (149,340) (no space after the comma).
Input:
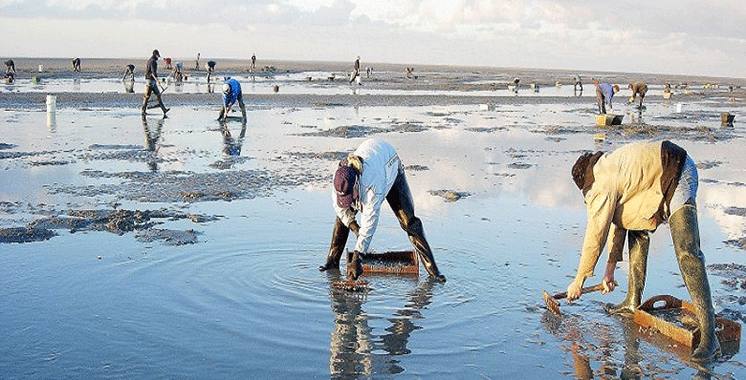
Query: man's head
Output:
(156,53)
(582,171)
(226,88)
(616,88)
(345,184)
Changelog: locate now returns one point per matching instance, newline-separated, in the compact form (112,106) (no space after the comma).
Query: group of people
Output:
(605,93)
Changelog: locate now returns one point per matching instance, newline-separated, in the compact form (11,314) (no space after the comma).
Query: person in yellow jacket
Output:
(628,193)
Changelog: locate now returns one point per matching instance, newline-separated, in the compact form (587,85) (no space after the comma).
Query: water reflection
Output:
(231,145)
(151,140)
(129,86)
(355,350)
(594,340)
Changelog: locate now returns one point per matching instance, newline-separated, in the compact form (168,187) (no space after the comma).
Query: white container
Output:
(678,107)
(51,103)
(41,68)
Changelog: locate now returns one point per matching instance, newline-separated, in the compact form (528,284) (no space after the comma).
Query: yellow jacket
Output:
(626,195)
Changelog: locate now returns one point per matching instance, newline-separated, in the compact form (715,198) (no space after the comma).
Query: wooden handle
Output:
(587,289)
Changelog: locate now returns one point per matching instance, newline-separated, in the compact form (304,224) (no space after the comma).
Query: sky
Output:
(645,36)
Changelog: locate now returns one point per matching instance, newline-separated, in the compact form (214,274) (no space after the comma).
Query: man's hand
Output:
(608,281)
(573,290)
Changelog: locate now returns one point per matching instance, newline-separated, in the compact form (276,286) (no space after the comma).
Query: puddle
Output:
(220,265)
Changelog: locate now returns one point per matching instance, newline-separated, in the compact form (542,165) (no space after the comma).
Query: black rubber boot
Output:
(339,239)
(639,243)
(685,236)
(400,200)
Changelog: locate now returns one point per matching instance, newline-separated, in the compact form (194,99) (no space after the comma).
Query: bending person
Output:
(604,93)
(231,95)
(367,177)
(629,193)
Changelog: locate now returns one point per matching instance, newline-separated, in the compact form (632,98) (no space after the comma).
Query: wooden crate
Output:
(391,262)
(648,316)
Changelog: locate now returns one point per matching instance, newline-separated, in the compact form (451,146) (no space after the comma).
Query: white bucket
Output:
(678,107)
(41,68)
(51,103)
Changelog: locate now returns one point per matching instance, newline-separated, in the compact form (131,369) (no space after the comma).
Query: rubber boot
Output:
(685,236)
(339,239)
(400,200)
(639,243)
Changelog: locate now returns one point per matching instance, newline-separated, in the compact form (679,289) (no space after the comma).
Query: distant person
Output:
(363,181)
(168,63)
(178,73)
(368,71)
(516,82)
(604,93)
(210,68)
(628,193)
(10,78)
(129,73)
(410,73)
(196,64)
(356,71)
(577,84)
(76,65)
(151,76)
(638,88)
(10,67)
(253,61)
(231,95)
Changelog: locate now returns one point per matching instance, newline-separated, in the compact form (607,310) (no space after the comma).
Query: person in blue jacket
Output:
(604,93)
(231,95)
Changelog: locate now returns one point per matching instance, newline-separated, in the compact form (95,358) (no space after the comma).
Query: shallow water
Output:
(247,299)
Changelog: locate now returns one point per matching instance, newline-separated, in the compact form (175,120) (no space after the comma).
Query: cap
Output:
(344,185)
(226,88)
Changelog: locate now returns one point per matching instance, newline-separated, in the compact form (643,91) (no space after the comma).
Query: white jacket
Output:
(381,165)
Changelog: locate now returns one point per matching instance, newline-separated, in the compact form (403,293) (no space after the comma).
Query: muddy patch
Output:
(485,129)
(326,156)
(168,237)
(450,195)
(739,211)
(519,165)
(177,186)
(6,146)
(115,221)
(416,168)
(347,132)
(738,243)
(704,165)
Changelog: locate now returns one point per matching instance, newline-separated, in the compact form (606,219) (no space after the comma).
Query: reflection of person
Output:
(356,70)
(129,73)
(628,193)
(76,65)
(355,350)
(577,84)
(367,177)
(638,88)
(232,146)
(151,141)
(151,76)
(604,93)
(231,95)
(210,68)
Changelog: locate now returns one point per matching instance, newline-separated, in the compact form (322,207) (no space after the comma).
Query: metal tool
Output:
(552,303)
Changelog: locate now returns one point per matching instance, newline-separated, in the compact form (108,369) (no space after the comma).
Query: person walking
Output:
(356,71)
(151,76)
(628,193)
(362,181)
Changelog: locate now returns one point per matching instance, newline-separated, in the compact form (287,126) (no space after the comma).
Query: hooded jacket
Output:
(631,190)
(381,165)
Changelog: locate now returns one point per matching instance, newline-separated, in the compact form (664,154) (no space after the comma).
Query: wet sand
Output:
(179,248)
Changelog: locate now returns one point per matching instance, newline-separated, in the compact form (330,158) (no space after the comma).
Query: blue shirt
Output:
(233,94)
(608,91)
